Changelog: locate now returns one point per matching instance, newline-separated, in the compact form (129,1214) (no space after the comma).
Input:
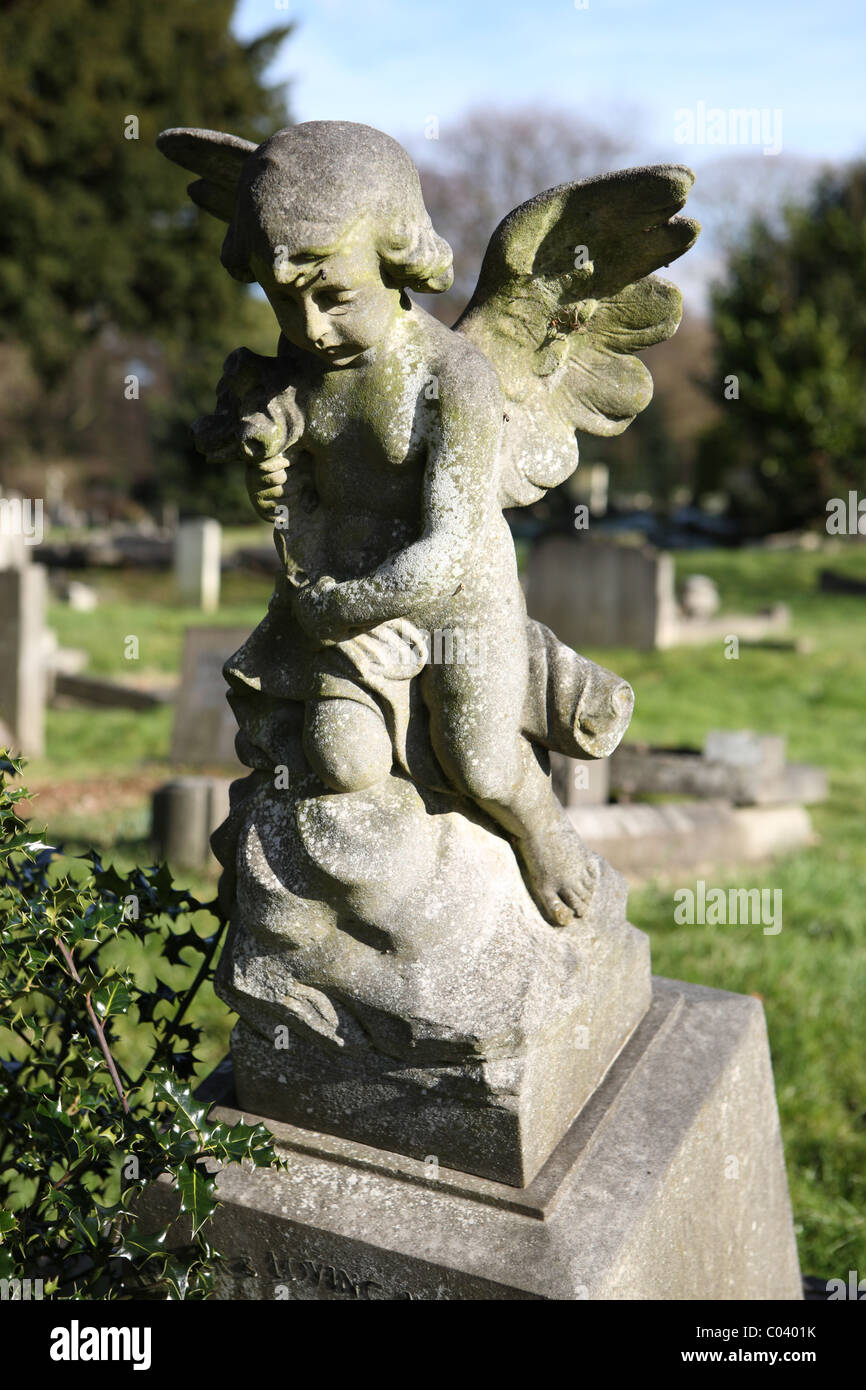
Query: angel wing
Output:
(216,157)
(564,300)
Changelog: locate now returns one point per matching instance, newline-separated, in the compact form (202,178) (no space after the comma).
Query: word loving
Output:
(737,907)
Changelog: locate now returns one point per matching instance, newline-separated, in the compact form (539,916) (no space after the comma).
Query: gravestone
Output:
(22,658)
(197,558)
(578,782)
(443,1013)
(204,725)
(185,813)
(741,766)
(594,594)
(605,594)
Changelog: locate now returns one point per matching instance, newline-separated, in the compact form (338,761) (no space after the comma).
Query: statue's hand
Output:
(265,483)
(316,611)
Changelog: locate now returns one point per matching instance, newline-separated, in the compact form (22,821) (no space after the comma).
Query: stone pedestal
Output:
(669,1185)
(487,1053)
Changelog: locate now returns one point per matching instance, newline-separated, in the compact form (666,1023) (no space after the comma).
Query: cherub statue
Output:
(393,443)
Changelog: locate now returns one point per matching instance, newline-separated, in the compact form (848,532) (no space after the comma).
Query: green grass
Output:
(141,604)
(812,976)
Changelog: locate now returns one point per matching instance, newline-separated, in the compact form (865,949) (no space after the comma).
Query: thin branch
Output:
(67,956)
(188,996)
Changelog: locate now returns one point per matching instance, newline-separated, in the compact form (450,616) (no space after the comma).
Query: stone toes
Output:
(576,901)
(557,912)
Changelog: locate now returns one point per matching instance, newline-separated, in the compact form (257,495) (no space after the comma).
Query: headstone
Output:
(22,659)
(14,550)
(197,559)
(81,597)
(204,725)
(580,782)
(590,485)
(185,813)
(594,594)
(21,528)
(604,594)
(741,766)
(441,1004)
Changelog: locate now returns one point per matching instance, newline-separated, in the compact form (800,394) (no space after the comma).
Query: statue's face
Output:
(334,304)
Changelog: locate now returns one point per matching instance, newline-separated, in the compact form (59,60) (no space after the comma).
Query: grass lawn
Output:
(811,976)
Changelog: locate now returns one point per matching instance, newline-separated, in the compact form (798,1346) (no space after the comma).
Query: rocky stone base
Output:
(497,1116)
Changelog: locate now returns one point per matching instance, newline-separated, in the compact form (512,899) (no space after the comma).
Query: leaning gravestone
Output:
(444,1014)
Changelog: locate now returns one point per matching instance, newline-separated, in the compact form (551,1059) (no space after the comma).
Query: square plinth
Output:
(670,1185)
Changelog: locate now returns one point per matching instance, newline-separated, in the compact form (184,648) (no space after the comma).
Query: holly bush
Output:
(83,1130)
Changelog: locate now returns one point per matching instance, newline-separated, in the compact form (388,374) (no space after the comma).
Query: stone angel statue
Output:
(389,444)
(410,905)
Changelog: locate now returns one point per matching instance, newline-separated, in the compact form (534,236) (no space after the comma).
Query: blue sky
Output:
(634,65)
(394,63)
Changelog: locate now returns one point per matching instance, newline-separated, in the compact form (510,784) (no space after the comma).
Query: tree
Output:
(489,162)
(473,173)
(97,235)
(791,350)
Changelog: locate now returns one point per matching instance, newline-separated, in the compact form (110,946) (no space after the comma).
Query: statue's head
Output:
(330,221)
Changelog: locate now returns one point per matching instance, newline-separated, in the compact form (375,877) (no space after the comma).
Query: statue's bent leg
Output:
(347,744)
(475,729)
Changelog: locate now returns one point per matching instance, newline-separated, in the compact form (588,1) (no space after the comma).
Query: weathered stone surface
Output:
(489,1048)
(671,1185)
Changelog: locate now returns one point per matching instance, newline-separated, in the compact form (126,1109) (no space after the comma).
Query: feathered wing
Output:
(217,158)
(564,299)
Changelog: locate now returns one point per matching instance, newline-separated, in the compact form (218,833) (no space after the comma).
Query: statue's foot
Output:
(562,873)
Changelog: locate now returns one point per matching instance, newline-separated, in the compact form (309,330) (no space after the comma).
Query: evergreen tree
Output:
(790,321)
(98,235)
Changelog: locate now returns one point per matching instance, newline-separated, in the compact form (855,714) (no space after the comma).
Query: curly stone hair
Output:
(309,182)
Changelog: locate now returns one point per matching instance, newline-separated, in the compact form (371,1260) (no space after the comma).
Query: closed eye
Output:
(331,300)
